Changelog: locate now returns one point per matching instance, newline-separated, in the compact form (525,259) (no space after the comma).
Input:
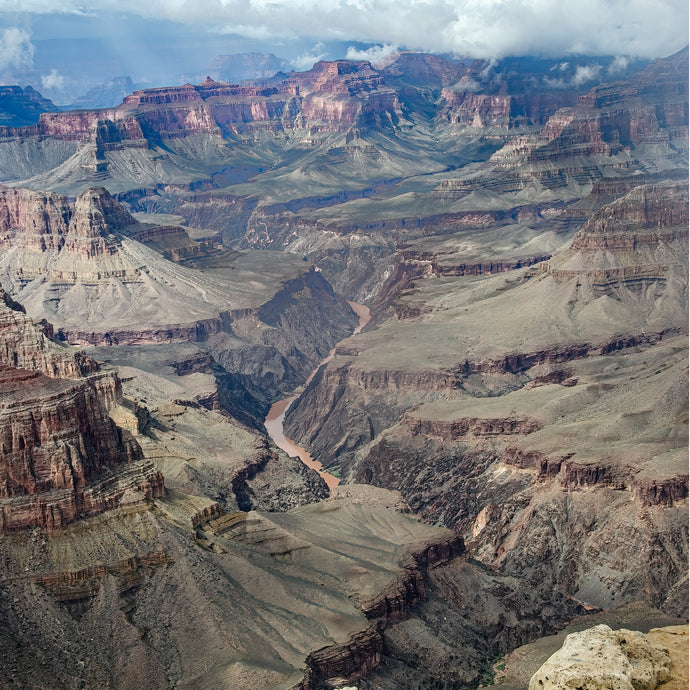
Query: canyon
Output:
(508,428)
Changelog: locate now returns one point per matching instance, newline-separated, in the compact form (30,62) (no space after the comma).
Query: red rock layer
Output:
(71,585)
(482,110)
(26,345)
(331,96)
(618,116)
(646,215)
(457,428)
(44,220)
(61,456)
(351,95)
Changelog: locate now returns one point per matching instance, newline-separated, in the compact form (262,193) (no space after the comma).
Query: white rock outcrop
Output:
(601,658)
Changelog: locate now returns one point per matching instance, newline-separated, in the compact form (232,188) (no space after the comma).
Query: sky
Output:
(59,44)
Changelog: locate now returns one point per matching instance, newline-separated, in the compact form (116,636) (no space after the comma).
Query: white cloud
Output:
(52,80)
(556,83)
(307,60)
(466,84)
(585,73)
(475,28)
(619,64)
(378,56)
(489,66)
(16,49)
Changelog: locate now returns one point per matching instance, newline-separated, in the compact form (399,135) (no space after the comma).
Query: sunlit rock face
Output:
(61,455)
(601,657)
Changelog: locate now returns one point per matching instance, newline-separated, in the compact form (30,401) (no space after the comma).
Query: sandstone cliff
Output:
(62,457)
(85,268)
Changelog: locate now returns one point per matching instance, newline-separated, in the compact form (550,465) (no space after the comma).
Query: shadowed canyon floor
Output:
(509,428)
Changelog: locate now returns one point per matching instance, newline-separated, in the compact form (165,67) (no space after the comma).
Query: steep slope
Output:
(268,319)
(532,401)
(169,596)
(217,132)
(346,163)
(118,580)
(205,349)
(497,150)
(186,590)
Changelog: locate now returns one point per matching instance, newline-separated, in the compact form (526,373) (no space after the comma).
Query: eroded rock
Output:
(605,658)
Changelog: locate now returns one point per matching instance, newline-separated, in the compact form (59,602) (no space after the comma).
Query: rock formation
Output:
(557,422)
(601,657)
(208,345)
(289,590)
(85,268)
(522,244)
(332,104)
(20,107)
(62,457)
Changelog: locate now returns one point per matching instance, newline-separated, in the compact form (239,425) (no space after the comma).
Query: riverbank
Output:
(276,415)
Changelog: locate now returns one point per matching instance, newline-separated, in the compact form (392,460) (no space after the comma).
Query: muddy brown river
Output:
(276,415)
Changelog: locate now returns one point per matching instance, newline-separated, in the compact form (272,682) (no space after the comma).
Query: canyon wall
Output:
(61,456)
(516,448)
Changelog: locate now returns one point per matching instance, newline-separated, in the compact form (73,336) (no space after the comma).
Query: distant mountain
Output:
(104,95)
(20,107)
(242,66)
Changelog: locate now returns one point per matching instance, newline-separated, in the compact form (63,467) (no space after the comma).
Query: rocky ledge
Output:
(61,456)
(602,657)
(354,659)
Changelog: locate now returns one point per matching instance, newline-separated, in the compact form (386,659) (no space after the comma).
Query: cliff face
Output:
(633,244)
(647,215)
(510,110)
(545,421)
(61,456)
(261,324)
(339,97)
(21,107)
(331,96)
(532,155)
(44,222)
(358,656)
(650,108)
(56,250)
(272,617)
(28,346)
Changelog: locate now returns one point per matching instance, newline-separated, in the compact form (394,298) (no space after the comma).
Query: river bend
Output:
(276,415)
